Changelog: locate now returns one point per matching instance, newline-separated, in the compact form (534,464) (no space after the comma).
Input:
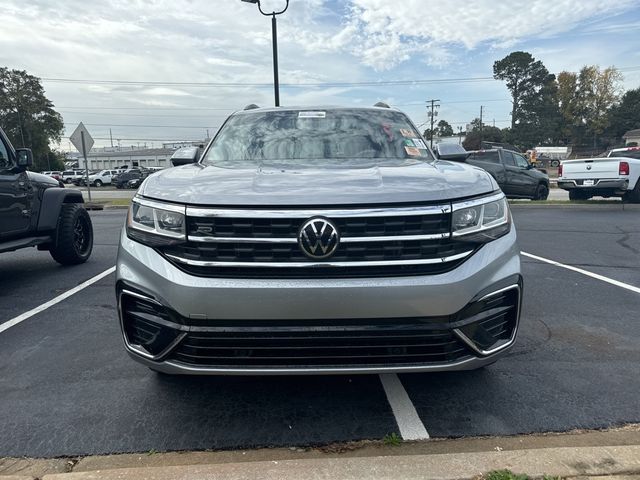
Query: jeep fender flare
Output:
(52,200)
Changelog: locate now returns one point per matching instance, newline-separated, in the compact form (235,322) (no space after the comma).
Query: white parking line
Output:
(584,272)
(409,423)
(21,318)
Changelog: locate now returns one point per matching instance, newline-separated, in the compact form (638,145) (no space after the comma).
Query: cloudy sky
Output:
(154,70)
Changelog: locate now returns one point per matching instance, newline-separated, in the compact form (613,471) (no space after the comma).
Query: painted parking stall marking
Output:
(21,318)
(409,423)
(617,283)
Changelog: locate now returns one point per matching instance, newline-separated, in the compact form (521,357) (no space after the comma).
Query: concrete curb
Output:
(563,462)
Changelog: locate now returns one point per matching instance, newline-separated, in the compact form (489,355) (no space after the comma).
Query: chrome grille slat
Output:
(315,212)
(380,263)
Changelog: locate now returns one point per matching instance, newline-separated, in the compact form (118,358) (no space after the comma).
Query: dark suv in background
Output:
(123,179)
(516,177)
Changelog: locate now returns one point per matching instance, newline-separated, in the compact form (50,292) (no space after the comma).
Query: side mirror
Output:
(185,155)
(24,157)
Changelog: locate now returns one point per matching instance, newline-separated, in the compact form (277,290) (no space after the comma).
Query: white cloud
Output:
(388,33)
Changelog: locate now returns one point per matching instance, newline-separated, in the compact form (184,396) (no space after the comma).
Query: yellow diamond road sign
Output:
(76,139)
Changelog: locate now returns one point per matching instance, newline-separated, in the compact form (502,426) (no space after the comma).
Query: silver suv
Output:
(318,240)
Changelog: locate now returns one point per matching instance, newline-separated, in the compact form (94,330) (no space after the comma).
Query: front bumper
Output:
(618,185)
(239,326)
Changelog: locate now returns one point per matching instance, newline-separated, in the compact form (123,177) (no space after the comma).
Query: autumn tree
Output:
(27,115)
(597,92)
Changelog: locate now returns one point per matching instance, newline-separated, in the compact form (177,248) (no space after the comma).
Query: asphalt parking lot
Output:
(68,388)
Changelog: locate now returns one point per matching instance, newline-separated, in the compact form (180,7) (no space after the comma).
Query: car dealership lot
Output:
(67,386)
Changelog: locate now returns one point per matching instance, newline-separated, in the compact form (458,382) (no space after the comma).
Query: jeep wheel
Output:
(97,183)
(69,181)
(74,236)
(542,192)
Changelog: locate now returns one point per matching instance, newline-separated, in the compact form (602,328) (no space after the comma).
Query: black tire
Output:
(542,193)
(74,235)
(632,196)
(578,195)
(555,163)
(97,184)
(68,181)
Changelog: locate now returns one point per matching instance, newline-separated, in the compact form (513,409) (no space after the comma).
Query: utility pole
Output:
(111,137)
(432,113)
(459,135)
(481,111)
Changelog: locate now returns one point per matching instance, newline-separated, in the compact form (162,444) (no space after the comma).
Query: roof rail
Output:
(251,106)
(382,105)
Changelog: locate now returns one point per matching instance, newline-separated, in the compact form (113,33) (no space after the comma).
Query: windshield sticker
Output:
(312,114)
(413,151)
(408,143)
(406,133)
(387,129)
(419,143)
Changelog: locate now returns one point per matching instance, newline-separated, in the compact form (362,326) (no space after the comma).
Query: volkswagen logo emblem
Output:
(588,167)
(318,238)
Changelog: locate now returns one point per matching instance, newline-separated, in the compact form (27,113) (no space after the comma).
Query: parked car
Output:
(53,174)
(515,175)
(135,182)
(72,176)
(617,175)
(34,211)
(100,178)
(124,178)
(320,240)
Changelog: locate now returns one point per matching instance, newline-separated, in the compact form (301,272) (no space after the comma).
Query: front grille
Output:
(371,342)
(288,227)
(264,244)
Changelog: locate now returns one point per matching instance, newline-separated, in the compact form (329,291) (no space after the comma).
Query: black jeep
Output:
(35,211)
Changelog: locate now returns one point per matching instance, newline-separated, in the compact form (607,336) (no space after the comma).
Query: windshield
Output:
(316,137)
(627,153)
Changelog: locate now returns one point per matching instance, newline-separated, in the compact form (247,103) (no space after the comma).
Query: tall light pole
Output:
(274,39)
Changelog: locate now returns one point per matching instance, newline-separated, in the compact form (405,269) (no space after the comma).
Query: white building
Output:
(149,157)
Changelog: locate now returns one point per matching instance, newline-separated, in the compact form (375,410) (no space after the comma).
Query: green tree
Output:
(525,78)
(27,115)
(444,129)
(625,115)
(477,135)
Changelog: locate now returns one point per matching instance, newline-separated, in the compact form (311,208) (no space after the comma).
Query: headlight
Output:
(155,223)
(481,220)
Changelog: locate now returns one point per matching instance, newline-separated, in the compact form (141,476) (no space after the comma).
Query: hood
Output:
(410,181)
(42,179)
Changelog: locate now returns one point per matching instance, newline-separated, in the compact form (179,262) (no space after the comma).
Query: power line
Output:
(147,108)
(142,126)
(269,85)
(291,85)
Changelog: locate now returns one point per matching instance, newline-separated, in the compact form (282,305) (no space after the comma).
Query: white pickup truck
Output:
(616,175)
